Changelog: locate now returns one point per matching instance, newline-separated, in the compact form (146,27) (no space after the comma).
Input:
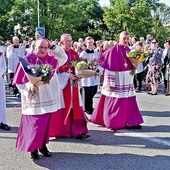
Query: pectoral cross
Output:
(125,64)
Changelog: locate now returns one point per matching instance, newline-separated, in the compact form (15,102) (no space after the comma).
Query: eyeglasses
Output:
(70,41)
(154,42)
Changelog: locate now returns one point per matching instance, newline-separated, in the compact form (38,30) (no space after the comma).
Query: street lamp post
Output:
(38,11)
(39,29)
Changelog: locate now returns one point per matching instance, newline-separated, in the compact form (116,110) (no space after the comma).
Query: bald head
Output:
(123,33)
(64,36)
(66,41)
(41,47)
(40,41)
(124,38)
(15,40)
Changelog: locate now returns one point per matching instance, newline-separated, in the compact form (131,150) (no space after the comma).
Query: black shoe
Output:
(35,155)
(45,152)
(4,126)
(138,90)
(89,112)
(79,137)
(134,127)
(154,94)
(168,94)
(85,135)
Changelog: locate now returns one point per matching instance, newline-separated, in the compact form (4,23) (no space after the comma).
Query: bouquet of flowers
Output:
(93,63)
(136,57)
(39,71)
(36,74)
(85,68)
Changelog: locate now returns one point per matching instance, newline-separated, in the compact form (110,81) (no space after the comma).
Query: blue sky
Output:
(106,2)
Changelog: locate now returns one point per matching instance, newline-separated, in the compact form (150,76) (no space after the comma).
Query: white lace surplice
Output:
(122,81)
(46,101)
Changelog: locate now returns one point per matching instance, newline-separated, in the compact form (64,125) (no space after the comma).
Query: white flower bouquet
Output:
(36,74)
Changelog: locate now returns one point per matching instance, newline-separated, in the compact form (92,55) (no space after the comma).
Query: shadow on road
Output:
(86,161)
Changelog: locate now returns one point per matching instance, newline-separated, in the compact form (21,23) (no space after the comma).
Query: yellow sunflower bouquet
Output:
(137,56)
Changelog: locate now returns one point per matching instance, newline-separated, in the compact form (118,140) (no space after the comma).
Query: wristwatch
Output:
(53,47)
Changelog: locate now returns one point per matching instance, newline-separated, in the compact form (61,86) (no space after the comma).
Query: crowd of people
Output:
(58,108)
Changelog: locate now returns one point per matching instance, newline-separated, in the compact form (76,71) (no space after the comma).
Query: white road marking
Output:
(143,136)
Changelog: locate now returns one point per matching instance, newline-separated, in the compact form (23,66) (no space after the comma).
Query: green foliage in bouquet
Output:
(138,54)
(136,57)
(80,65)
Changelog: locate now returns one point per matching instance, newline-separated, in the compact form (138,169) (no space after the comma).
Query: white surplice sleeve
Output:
(59,54)
(63,79)
(3,66)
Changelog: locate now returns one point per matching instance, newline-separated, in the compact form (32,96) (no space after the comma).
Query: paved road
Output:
(144,149)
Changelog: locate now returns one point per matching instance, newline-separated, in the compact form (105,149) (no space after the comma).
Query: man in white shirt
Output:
(14,51)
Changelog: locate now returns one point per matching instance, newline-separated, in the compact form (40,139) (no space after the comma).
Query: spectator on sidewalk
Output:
(154,74)
(138,77)
(166,66)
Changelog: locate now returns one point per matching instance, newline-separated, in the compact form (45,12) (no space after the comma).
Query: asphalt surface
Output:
(144,149)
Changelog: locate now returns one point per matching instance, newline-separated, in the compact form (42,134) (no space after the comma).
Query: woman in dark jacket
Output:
(154,74)
(166,67)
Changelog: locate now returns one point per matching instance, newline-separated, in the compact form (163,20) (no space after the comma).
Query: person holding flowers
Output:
(70,121)
(33,133)
(139,71)
(90,84)
(117,107)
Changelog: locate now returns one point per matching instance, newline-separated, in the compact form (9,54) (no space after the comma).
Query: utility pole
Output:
(38,11)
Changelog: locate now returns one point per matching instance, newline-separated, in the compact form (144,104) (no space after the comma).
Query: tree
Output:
(121,15)
(83,18)
(161,21)
(56,16)
(5,7)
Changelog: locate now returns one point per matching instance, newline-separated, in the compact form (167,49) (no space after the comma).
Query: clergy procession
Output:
(84,84)
(59,102)
(57,81)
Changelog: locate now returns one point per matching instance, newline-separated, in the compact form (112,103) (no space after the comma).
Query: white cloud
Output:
(167,2)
